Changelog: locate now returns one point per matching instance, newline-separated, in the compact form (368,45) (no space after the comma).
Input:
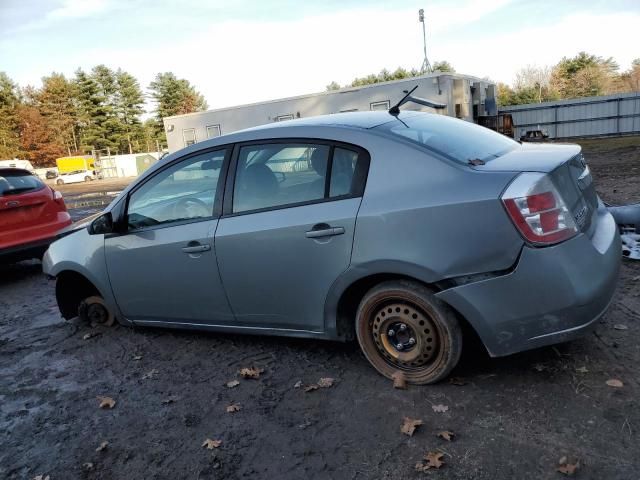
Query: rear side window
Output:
(278,175)
(18,181)
(455,139)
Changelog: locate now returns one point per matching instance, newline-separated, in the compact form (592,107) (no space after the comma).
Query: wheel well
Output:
(71,289)
(351,297)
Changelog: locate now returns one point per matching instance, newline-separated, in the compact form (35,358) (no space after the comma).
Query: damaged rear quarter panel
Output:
(445,219)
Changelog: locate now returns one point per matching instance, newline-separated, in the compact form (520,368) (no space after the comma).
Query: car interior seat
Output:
(258,187)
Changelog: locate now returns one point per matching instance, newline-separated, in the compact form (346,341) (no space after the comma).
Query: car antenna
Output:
(395,110)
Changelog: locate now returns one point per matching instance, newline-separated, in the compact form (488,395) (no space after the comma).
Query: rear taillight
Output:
(57,197)
(537,209)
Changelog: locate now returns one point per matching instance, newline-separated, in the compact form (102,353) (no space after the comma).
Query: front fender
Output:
(82,253)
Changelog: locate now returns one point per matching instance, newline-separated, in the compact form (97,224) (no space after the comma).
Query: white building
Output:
(464,97)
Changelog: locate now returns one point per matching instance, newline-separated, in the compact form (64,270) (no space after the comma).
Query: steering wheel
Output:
(191,208)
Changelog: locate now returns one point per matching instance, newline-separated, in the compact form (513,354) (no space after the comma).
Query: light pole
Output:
(426,66)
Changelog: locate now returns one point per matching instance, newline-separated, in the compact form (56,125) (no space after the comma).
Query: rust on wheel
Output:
(405,336)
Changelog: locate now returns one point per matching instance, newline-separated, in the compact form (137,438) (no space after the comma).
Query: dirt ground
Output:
(513,417)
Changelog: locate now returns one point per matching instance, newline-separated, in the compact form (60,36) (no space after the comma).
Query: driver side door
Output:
(164,268)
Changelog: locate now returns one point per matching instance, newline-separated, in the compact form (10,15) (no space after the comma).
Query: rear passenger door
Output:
(287,229)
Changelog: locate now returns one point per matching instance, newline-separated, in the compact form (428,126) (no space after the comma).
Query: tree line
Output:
(584,75)
(386,76)
(99,110)
(102,109)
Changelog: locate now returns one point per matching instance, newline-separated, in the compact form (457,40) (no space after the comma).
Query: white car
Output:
(75,177)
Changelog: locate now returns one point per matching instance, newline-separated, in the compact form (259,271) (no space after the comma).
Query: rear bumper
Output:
(553,295)
(25,251)
(31,242)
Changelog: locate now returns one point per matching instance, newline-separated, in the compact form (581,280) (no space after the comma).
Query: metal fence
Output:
(586,117)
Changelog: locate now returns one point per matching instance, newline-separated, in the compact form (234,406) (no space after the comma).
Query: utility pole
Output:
(426,66)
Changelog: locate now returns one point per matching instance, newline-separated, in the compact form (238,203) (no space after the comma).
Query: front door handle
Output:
(324,230)
(194,247)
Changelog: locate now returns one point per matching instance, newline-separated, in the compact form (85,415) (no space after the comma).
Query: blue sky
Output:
(244,51)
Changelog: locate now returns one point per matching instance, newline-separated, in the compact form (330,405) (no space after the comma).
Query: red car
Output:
(31,213)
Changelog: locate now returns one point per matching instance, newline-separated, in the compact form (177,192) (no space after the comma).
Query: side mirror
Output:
(102,224)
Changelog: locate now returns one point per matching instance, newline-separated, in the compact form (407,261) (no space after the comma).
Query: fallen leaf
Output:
(439,408)
(325,382)
(251,372)
(399,380)
(235,407)
(620,326)
(232,383)
(310,388)
(102,446)
(567,468)
(150,374)
(409,425)
(89,335)
(211,444)
(614,382)
(433,460)
(457,381)
(298,384)
(305,424)
(171,399)
(41,477)
(106,402)
(582,370)
(87,466)
(446,434)
(137,357)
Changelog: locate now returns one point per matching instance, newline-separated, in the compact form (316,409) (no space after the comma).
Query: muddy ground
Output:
(513,417)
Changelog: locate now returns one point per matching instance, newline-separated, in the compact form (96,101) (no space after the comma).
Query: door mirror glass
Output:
(101,225)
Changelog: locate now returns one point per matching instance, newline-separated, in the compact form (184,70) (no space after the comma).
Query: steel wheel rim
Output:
(427,346)
(97,313)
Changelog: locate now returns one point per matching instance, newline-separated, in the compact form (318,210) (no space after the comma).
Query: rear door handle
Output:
(191,248)
(324,230)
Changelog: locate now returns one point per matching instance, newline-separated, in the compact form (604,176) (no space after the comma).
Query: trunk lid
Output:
(26,209)
(566,167)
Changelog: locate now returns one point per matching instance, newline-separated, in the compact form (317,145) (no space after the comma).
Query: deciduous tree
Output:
(9,121)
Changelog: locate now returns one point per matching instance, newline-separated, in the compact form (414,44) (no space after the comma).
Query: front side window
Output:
(184,191)
(455,139)
(276,175)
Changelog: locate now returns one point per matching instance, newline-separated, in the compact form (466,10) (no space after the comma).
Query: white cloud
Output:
(500,55)
(78,9)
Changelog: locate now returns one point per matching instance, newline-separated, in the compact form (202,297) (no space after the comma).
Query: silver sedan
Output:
(403,231)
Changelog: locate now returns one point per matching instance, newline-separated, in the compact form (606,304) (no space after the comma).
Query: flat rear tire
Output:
(402,326)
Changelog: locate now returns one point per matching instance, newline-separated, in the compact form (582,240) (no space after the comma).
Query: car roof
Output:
(364,120)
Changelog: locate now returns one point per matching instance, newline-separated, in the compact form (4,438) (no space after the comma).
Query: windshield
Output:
(455,139)
(19,181)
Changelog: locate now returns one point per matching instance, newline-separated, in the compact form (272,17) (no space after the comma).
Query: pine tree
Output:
(56,103)
(174,96)
(9,120)
(129,102)
(92,112)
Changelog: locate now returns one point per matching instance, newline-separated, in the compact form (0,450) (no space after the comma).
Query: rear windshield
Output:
(456,139)
(18,181)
